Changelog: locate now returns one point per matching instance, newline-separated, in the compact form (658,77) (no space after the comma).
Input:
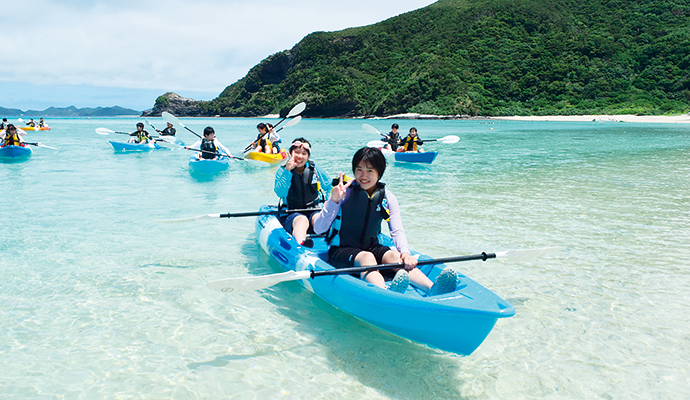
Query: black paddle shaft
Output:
(341,271)
(273,212)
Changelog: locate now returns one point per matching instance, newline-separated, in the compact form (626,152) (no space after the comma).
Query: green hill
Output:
(483,57)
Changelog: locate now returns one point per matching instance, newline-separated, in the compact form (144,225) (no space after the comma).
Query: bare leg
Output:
(300,225)
(374,277)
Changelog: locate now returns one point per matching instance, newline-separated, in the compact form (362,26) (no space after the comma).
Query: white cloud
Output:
(166,45)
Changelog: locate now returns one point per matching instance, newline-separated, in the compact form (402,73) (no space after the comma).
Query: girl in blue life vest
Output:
(209,147)
(140,135)
(301,184)
(353,217)
(411,142)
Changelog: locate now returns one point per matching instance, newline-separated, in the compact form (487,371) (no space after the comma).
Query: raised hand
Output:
(339,190)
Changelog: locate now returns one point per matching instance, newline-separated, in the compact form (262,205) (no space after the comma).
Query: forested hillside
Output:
(483,57)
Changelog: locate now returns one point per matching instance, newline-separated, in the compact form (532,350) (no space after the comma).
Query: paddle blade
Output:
(371,129)
(47,147)
(293,121)
(450,139)
(376,143)
(527,254)
(296,110)
(175,221)
(247,283)
(104,131)
(167,117)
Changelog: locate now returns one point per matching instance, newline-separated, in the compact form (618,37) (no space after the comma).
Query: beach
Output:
(677,119)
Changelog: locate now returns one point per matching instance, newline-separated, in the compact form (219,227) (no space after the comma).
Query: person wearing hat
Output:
(169,130)
(301,184)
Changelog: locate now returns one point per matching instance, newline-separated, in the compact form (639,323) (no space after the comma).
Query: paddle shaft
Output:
(276,212)
(341,271)
(210,152)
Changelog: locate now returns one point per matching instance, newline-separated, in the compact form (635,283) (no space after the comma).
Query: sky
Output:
(128,52)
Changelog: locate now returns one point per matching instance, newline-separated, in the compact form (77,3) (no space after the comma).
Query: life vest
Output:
(208,149)
(305,189)
(393,140)
(410,143)
(262,140)
(32,124)
(11,139)
(358,222)
(142,137)
(168,131)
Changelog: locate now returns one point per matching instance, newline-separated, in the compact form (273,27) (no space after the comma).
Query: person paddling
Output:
(393,138)
(10,137)
(210,147)
(411,143)
(140,136)
(301,184)
(262,143)
(353,216)
(274,138)
(31,123)
(169,130)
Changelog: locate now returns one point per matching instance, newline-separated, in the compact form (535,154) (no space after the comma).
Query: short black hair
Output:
(208,130)
(395,126)
(372,156)
(140,124)
(261,126)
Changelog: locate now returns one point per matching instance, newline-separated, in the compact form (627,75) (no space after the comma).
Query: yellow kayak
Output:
(269,158)
(34,128)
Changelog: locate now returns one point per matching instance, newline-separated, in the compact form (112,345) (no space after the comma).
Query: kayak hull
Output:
(457,322)
(208,167)
(35,128)
(119,146)
(425,158)
(272,159)
(15,153)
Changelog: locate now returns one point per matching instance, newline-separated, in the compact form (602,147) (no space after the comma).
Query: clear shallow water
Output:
(99,301)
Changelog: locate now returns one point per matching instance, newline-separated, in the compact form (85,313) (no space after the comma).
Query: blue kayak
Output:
(425,157)
(208,166)
(457,322)
(15,153)
(120,146)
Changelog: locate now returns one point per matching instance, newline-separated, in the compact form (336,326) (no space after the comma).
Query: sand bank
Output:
(684,118)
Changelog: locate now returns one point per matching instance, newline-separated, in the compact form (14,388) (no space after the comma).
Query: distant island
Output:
(71,111)
(477,58)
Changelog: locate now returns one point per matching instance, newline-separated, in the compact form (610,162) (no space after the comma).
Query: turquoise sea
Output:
(100,301)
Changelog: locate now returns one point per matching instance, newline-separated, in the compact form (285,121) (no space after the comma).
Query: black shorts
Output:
(287,222)
(344,257)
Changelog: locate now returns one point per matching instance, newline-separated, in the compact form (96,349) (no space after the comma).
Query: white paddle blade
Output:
(47,147)
(370,129)
(294,121)
(247,283)
(376,143)
(450,139)
(104,131)
(175,221)
(527,254)
(172,119)
(296,110)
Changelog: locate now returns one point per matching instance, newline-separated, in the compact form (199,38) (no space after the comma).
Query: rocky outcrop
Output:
(176,105)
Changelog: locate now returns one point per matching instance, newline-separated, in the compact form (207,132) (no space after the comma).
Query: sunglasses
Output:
(297,144)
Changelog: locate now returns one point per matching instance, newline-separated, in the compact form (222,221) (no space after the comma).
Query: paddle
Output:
(264,281)
(371,129)
(173,120)
(450,139)
(235,215)
(41,145)
(210,152)
(296,110)
(106,131)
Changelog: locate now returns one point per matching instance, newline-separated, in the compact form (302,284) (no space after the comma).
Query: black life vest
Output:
(168,131)
(208,149)
(305,190)
(358,223)
(393,140)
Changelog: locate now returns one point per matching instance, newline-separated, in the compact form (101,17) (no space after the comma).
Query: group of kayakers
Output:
(267,141)
(41,123)
(351,217)
(410,143)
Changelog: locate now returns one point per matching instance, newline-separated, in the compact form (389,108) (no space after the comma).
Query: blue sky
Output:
(126,53)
